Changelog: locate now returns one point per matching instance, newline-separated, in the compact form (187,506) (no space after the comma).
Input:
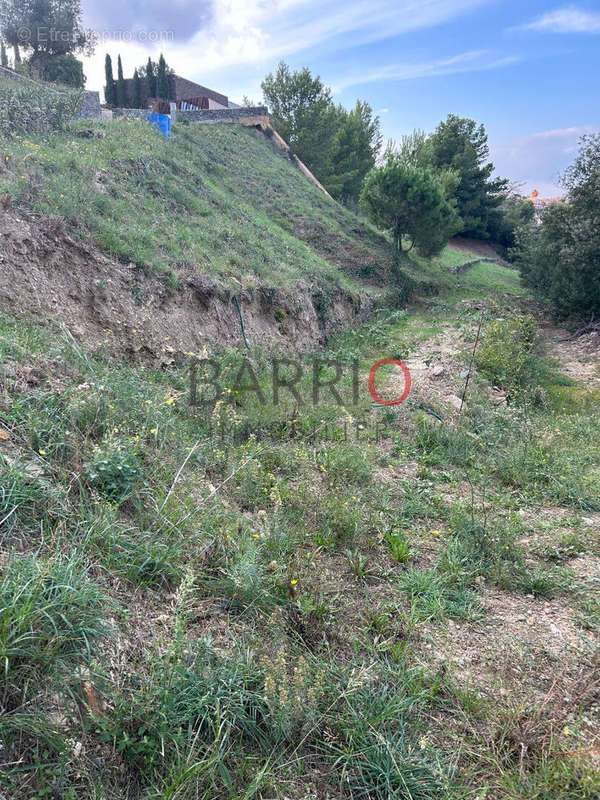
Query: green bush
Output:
(115,469)
(65,69)
(507,355)
(36,109)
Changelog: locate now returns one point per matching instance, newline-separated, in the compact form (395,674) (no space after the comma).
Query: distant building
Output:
(540,203)
(182,92)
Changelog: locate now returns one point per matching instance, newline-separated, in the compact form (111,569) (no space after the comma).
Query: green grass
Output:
(216,199)
(51,614)
(488,275)
(258,613)
(269,584)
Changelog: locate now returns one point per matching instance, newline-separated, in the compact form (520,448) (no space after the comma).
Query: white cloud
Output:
(536,160)
(463,62)
(250,35)
(568,19)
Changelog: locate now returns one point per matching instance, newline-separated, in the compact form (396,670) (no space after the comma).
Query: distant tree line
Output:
(24,29)
(430,187)
(338,146)
(149,80)
(559,256)
(426,189)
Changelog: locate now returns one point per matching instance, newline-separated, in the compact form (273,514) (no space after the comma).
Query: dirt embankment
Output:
(47,273)
(467,245)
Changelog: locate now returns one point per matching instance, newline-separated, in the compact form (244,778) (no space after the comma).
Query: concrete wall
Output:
(90,108)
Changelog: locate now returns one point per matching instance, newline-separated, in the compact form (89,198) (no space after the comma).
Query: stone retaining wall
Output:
(130,113)
(255,115)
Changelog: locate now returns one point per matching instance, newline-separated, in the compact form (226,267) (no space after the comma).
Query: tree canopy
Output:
(162,79)
(409,201)
(460,145)
(560,257)
(110,89)
(339,146)
(28,26)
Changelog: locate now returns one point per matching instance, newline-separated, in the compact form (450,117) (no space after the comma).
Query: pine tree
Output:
(136,100)
(150,79)
(110,94)
(162,79)
(3,56)
(121,89)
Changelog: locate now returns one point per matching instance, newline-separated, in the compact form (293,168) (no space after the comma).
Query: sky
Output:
(527,69)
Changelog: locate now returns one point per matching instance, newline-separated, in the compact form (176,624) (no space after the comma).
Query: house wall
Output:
(182,88)
(213,105)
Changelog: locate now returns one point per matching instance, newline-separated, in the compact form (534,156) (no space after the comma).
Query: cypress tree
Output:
(121,90)
(110,95)
(150,79)
(162,79)
(136,100)
(3,56)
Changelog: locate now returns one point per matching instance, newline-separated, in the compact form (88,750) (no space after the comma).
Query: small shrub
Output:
(115,470)
(36,109)
(398,545)
(507,355)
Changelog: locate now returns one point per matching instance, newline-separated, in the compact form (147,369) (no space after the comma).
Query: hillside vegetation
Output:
(28,106)
(260,601)
(304,596)
(220,200)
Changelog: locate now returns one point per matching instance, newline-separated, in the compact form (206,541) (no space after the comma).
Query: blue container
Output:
(162,122)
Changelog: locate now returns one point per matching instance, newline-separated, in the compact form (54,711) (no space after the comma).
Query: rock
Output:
(93,698)
(438,371)
(455,400)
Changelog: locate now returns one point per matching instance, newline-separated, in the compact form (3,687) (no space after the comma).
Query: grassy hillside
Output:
(220,200)
(313,602)
(308,597)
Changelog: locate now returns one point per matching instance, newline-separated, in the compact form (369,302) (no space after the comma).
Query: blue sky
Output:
(527,69)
